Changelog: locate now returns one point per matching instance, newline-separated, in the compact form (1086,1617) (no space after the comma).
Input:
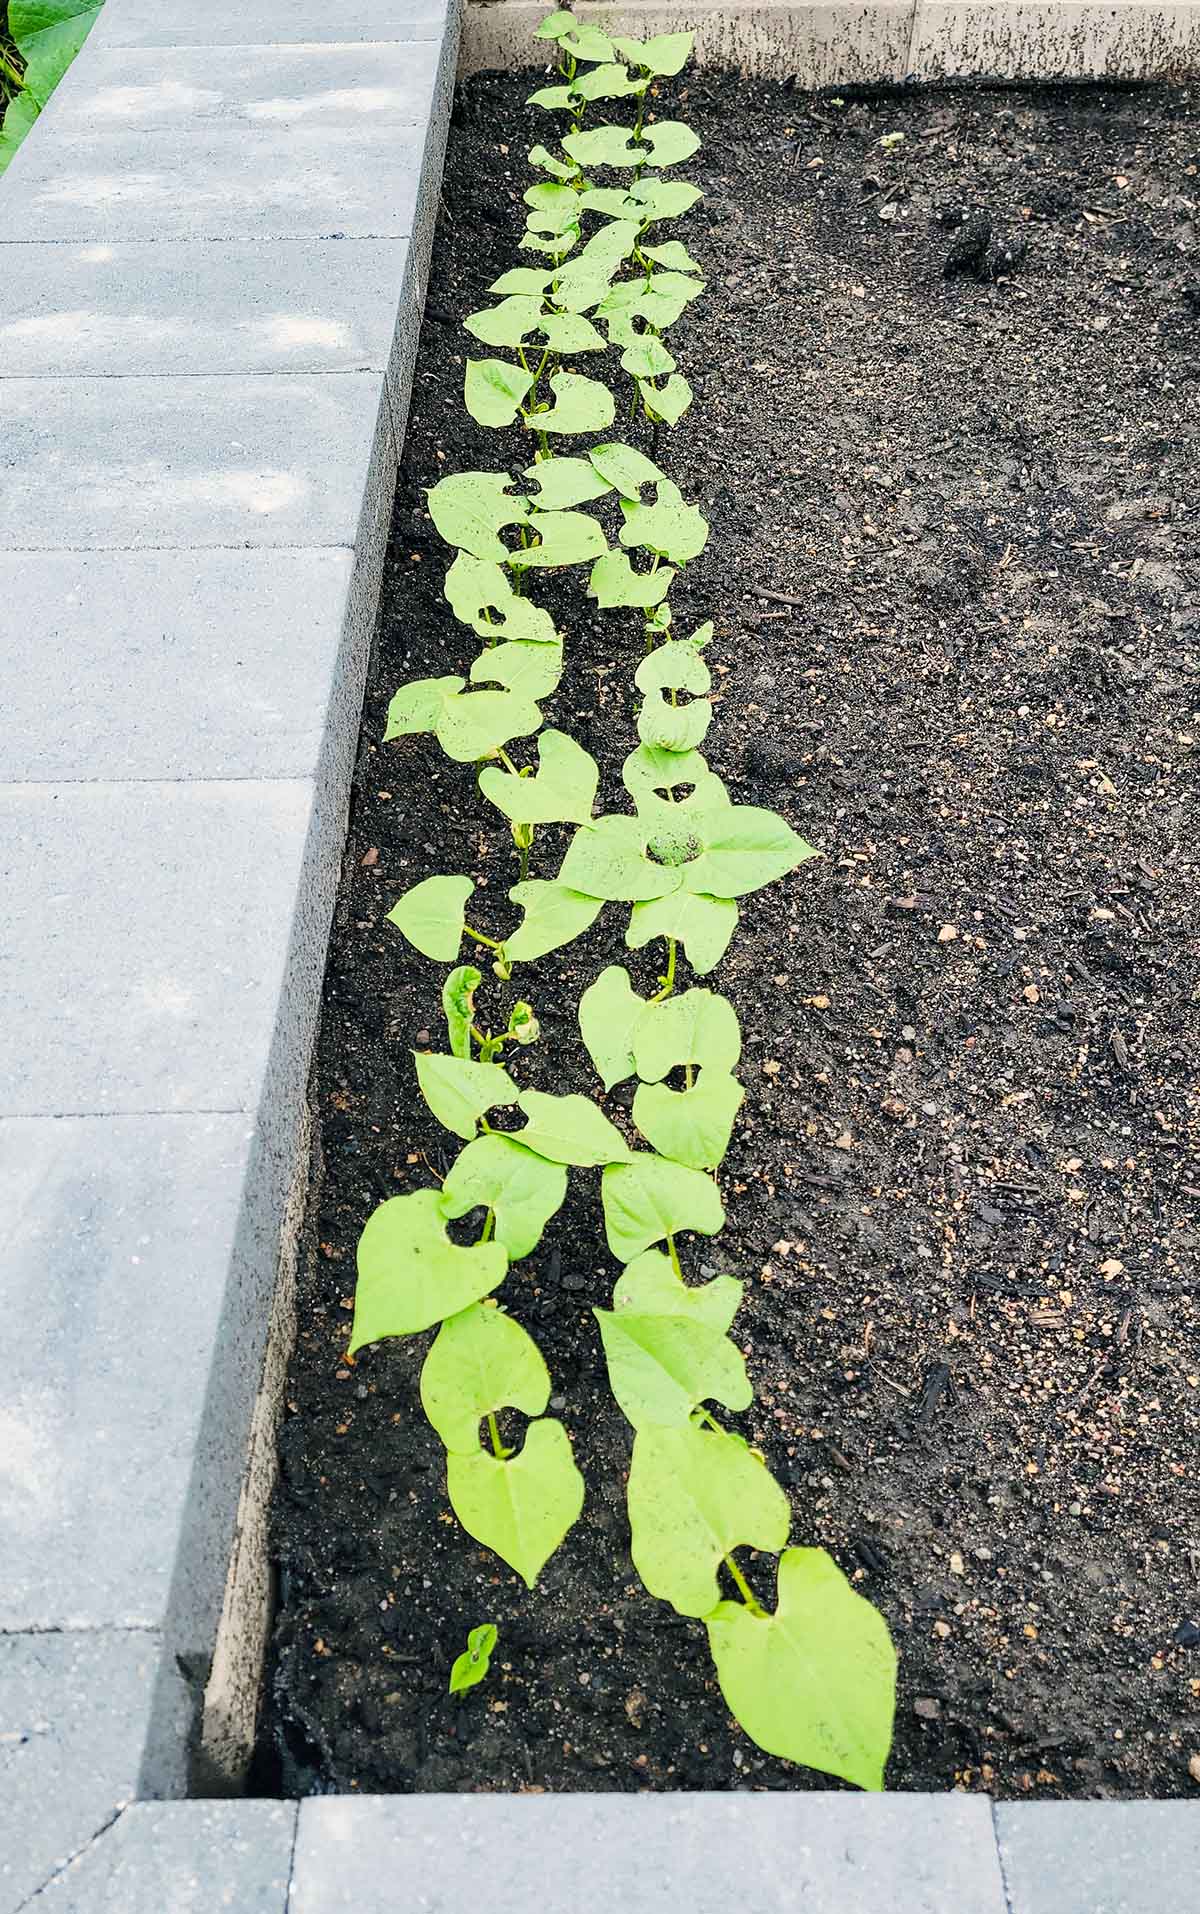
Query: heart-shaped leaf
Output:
(557,245)
(697,1026)
(431,916)
(507,324)
(523,1507)
(672,253)
(570,1129)
(816,1681)
(694,1496)
(529,670)
(458,1007)
(649,1287)
(475,724)
(649,769)
(667,402)
(690,1126)
(608,82)
(569,332)
(661,1367)
(664,55)
(410,1275)
(554,206)
(670,527)
(625,467)
(554,915)
(702,924)
(555,25)
(556,99)
(459,1091)
(521,1189)
(645,357)
(492,392)
(562,538)
(481,594)
(529,281)
(742,848)
(606,146)
(614,582)
(470,508)
(607,858)
(586,42)
(664,726)
(580,405)
(609,1011)
(561,791)
(651,1198)
(564,482)
(481,1361)
(416,707)
(675,666)
(671,142)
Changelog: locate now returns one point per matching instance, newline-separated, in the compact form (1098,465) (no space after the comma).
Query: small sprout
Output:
(890,140)
(472,1665)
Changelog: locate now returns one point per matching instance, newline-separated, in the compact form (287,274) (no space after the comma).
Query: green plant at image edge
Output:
(44,36)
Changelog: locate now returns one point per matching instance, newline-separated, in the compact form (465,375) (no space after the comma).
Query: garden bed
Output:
(956,581)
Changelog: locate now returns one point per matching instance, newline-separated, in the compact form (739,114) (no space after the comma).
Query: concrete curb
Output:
(208,322)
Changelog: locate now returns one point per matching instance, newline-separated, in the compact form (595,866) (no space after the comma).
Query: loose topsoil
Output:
(955,572)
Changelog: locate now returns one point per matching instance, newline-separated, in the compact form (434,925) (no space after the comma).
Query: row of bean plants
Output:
(814,1680)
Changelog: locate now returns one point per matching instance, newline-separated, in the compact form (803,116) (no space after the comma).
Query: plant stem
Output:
(489,1224)
(498,1448)
(479,937)
(524,851)
(674,1255)
(668,982)
(744,1589)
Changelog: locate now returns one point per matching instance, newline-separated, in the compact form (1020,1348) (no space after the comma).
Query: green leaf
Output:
(555,25)
(649,1287)
(521,1508)
(492,392)
(625,467)
(558,245)
(609,82)
(690,1126)
(693,1497)
(663,198)
(667,402)
(605,146)
(570,1129)
(661,1367)
(672,254)
(481,1361)
(648,770)
(816,1681)
(529,670)
(19,116)
(586,42)
(563,538)
(614,582)
(580,405)
(607,858)
(472,1665)
(459,1091)
(48,35)
(702,924)
(470,508)
(431,916)
(743,848)
(458,1006)
(671,142)
(522,1189)
(481,594)
(669,527)
(554,915)
(651,1198)
(473,724)
(560,792)
(645,358)
(555,99)
(561,169)
(674,727)
(416,707)
(507,324)
(664,55)
(697,1027)
(554,205)
(609,1010)
(410,1275)
(564,482)
(675,666)
(569,332)
(527,280)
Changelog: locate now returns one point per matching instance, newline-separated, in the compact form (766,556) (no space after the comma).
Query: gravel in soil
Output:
(945,431)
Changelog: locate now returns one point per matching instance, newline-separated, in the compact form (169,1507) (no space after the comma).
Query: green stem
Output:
(524,852)
(489,1224)
(674,1255)
(498,1448)
(668,982)
(744,1589)
(489,942)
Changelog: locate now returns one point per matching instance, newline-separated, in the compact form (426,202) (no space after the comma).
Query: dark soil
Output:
(955,570)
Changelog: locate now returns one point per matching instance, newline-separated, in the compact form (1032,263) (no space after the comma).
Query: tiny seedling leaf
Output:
(816,1681)
(431,916)
(523,1190)
(410,1275)
(694,1495)
(481,1361)
(472,1665)
(651,1198)
(460,1090)
(521,1507)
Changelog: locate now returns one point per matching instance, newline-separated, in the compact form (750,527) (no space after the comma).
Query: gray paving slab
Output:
(1100,1857)
(113,645)
(825,1854)
(1047,39)
(233,23)
(192,307)
(183,1857)
(140,462)
(336,88)
(147,942)
(74,1716)
(121,1242)
(213,184)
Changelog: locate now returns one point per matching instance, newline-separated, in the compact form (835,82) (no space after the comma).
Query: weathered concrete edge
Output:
(877,42)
